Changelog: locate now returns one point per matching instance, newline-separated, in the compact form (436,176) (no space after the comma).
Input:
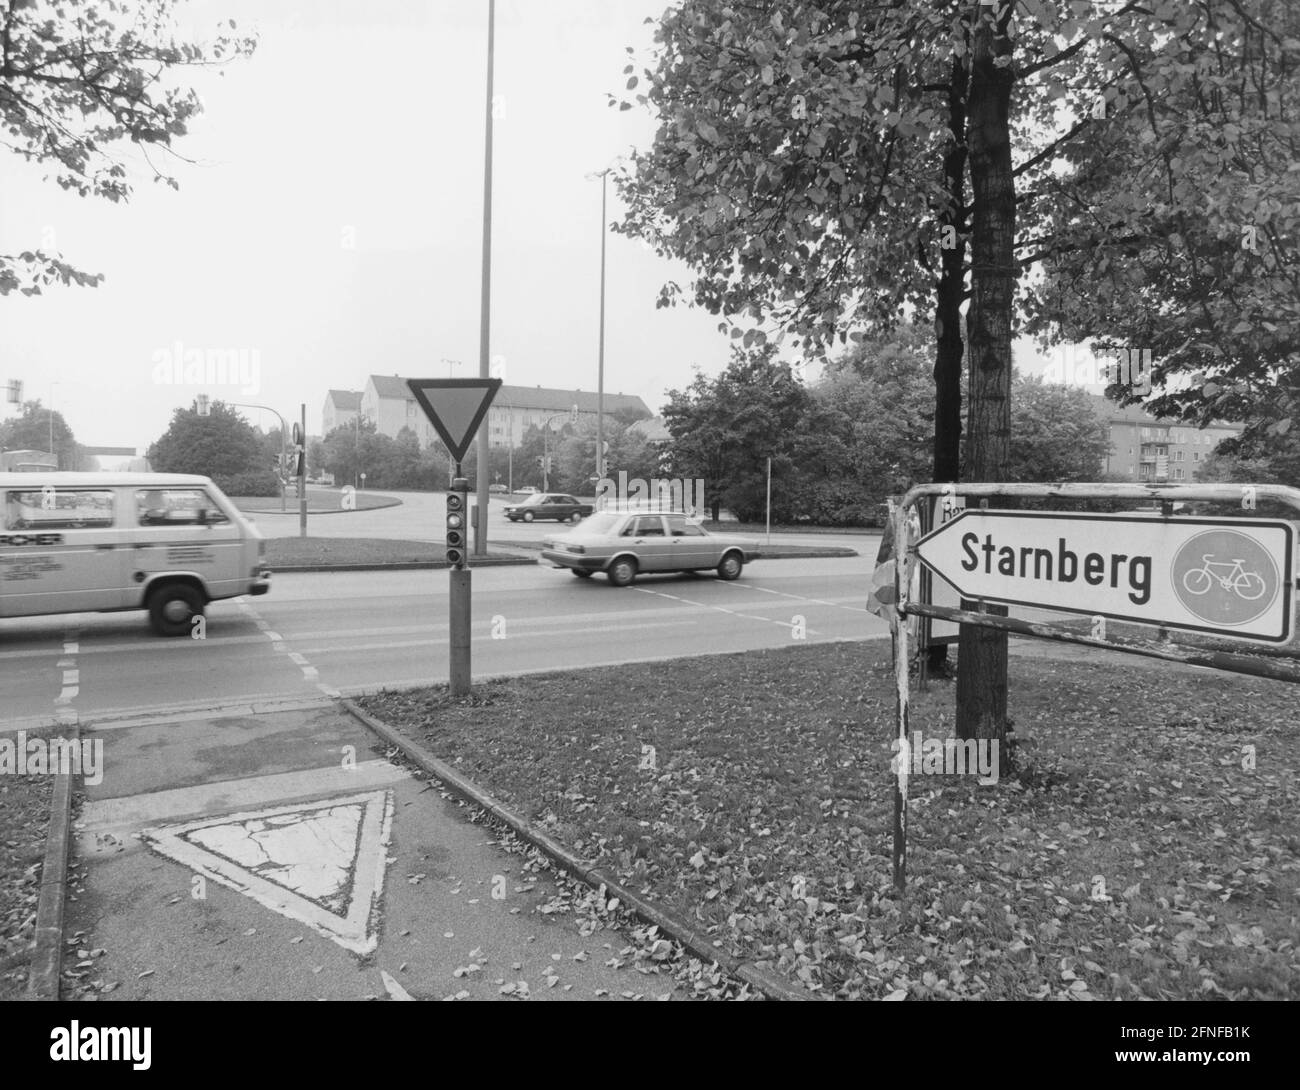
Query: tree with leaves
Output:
(221,445)
(80,78)
(803,150)
(30,430)
(725,429)
(1192,252)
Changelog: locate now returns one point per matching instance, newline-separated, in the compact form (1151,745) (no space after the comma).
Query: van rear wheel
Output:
(173,607)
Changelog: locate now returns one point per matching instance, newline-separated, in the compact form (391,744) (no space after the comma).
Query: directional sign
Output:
(1231,577)
(455,407)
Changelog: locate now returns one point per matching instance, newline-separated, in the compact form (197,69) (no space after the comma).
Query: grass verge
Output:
(320,501)
(1130,856)
(24,821)
(291,552)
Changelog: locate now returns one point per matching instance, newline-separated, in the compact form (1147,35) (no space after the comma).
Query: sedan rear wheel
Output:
(731,566)
(576,516)
(622,572)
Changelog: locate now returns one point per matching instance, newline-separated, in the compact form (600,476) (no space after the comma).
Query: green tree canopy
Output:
(81,78)
(30,430)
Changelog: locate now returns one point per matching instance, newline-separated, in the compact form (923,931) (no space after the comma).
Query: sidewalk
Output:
(276,857)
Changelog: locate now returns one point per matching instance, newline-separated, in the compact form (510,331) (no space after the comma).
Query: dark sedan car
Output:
(548,505)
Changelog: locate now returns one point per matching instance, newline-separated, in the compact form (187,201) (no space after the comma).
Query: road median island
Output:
(1131,854)
(316,554)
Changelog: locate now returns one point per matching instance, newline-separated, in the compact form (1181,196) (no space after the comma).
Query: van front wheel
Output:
(173,607)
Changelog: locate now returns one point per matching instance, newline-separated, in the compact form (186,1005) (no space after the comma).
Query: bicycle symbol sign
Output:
(1225,577)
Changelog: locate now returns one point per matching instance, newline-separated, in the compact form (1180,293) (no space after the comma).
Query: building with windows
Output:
(387,402)
(341,407)
(1146,448)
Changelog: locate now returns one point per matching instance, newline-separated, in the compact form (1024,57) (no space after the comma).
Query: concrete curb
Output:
(47,960)
(582,869)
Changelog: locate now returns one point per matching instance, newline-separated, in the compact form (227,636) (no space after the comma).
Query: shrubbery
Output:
(258,482)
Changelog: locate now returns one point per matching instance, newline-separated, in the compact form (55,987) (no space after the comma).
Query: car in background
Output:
(498,490)
(624,544)
(548,505)
(527,490)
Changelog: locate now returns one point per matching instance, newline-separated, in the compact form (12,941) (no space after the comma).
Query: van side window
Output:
(176,507)
(58,509)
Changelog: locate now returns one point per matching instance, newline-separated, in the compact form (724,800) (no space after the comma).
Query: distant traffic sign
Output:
(455,407)
(1231,577)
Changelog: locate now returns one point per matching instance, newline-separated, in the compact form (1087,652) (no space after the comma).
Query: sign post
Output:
(300,469)
(1232,578)
(456,408)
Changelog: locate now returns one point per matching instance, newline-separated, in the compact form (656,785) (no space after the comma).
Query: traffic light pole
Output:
(458,592)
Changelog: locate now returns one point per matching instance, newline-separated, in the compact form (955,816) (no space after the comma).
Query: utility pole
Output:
(485,298)
(600,366)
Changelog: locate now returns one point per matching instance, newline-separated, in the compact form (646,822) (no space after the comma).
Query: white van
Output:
(100,542)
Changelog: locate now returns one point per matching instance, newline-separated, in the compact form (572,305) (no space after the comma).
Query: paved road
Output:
(318,634)
(421,517)
(248,841)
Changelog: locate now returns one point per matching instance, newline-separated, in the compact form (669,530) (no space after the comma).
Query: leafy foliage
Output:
(79,78)
(1189,250)
(765,819)
(30,430)
(221,445)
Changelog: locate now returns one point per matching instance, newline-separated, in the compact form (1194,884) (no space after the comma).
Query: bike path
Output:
(276,856)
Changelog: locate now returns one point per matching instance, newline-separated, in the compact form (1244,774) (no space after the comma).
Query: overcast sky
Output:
(329,224)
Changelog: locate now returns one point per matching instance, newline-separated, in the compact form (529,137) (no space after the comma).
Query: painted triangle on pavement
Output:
(455,407)
(321,863)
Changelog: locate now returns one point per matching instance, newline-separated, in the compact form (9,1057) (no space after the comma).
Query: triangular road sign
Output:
(321,863)
(455,407)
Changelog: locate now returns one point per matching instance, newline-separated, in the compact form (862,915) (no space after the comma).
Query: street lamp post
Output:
(283,434)
(50,415)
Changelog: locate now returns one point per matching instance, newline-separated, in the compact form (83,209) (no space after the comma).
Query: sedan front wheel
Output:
(730,567)
(528,516)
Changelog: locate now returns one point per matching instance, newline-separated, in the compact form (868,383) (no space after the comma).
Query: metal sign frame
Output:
(904,537)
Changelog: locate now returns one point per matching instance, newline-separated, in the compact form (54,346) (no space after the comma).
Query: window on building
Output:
(1196,456)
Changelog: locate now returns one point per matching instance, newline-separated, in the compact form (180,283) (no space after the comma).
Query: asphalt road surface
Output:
(329,633)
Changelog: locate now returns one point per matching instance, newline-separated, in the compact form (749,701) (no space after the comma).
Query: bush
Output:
(258,482)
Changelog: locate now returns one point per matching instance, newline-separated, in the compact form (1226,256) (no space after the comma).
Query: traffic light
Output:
(456,524)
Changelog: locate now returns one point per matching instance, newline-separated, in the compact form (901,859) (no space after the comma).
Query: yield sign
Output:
(320,863)
(455,407)
(1231,577)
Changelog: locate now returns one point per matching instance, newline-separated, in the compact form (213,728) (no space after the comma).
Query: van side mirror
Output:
(202,518)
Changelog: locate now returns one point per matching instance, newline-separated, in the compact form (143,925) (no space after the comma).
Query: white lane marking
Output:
(723,609)
(835,602)
(321,864)
(546,633)
(71,683)
(280,645)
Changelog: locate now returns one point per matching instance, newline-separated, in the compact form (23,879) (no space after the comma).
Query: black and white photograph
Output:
(649,501)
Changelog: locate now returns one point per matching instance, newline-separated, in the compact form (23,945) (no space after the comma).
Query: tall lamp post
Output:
(485,305)
(50,414)
(284,428)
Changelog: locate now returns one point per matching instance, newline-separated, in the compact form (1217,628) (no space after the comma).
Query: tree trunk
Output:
(982,662)
(947,317)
